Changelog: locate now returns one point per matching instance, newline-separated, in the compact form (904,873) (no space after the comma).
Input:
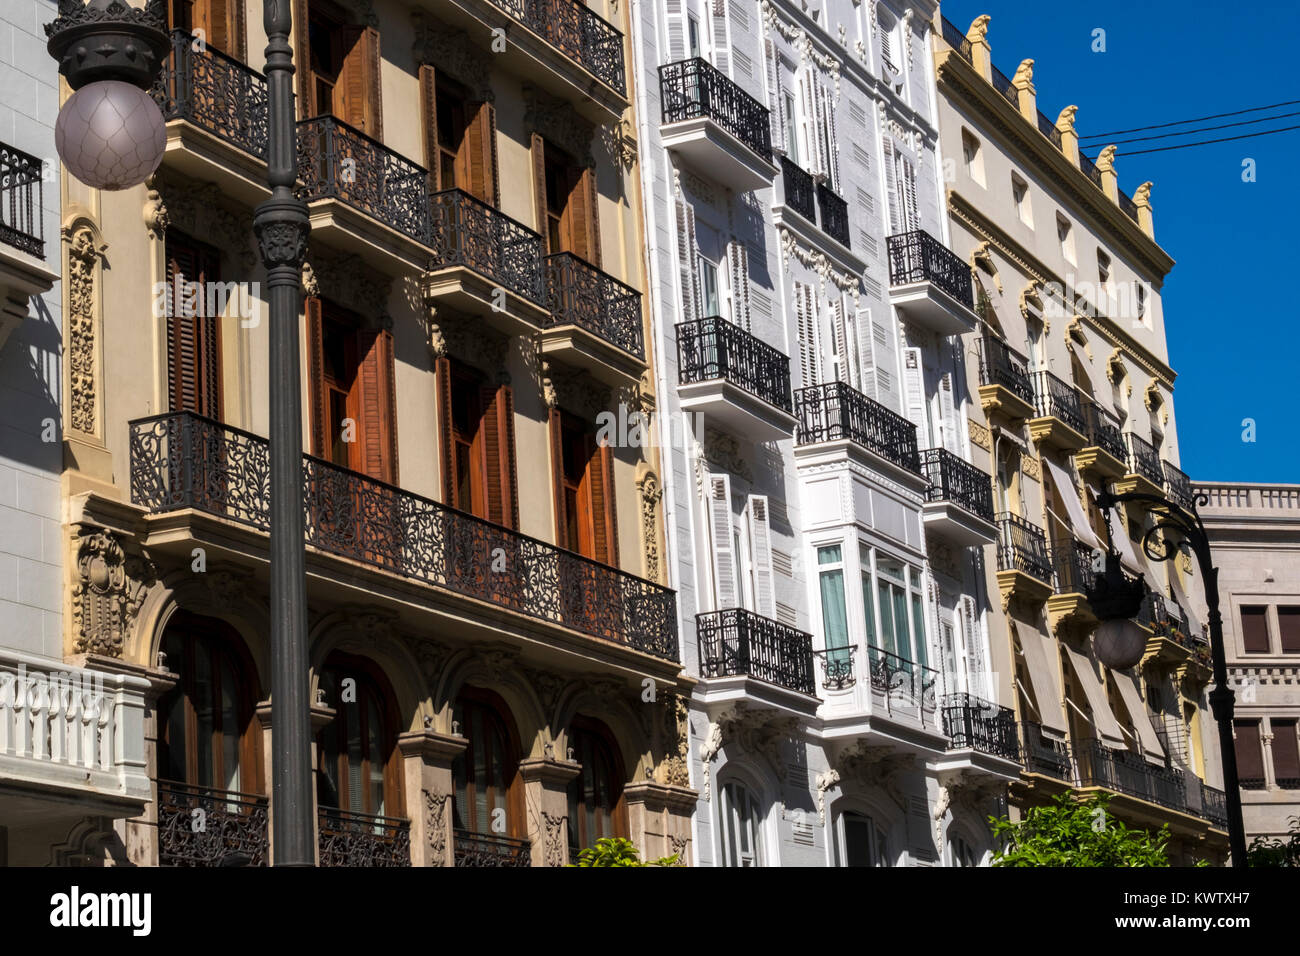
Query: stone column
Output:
(546,803)
(321,717)
(659,819)
(427,757)
(1266,744)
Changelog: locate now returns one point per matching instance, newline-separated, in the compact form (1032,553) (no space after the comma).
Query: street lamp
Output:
(111,135)
(1112,599)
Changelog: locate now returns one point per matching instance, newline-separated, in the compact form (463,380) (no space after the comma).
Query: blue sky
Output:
(1232,313)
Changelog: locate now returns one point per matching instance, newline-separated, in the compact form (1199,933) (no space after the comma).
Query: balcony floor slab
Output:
(736,410)
(717,155)
(933,308)
(580,348)
(952,522)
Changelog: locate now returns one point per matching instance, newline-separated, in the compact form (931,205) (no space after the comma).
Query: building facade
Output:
(1254,534)
(494,659)
(1073,393)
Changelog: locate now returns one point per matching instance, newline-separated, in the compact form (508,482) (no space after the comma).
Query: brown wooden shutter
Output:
(600,477)
(1250,758)
(374,84)
(212,17)
(359,81)
(1288,629)
(1254,629)
(193,347)
(498,455)
(316,358)
(1286,754)
(302,57)
(479,146)
(586,217)
(442,371)
(429,112)
(489,114)
(539,189)
(378,404)
(556,424)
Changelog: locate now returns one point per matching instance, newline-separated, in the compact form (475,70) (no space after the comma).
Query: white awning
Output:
(1180,596)
(1137,714)
(1070,494)
(1039,652)
(1119,535)
(1090,682)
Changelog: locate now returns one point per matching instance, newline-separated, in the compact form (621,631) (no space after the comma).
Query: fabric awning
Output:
(1090,682)
(1137,713)
(1119,535)
(1070,494)
(1039,653)
(1180,595)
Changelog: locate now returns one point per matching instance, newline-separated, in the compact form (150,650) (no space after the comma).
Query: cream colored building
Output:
(1074,391)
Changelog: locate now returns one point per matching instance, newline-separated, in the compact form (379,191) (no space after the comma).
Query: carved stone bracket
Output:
(109,589)
(650,493)
(435,826)
(817,260)
(980,436)
(200,209)
(345,280)
(574,391)
(723,450)
(559,123)
(553,844)
(759,732)
(452,52)
(454,335)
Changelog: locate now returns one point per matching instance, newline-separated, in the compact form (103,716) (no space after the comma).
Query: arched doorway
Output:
(488,810)
(596,805)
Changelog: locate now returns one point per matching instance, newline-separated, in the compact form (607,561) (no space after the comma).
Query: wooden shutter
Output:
(479,146)
(1250,756)
(319,393)
(555,423)
(760,549)
(193,348)
(359,81)
(775,99)
(914,394)
(538,149)
(686,260)
(443,375)
(378,404)
(578,211)
(212,17)
(721,49)
(1286,753)
(429,117)
(499,455)
(1254,630)
(302,58)
(724,551)
(589,189)
(1288,629)
(600,479)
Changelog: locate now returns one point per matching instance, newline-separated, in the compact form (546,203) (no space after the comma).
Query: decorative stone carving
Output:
(817,260)
(1024,73)
(876,765)
(824,782)
(979,29)
(980,436)
(1115,371)
(723,450)
(754,732)
(435,826)
(155,210)
(548,687)
(619,141)
(799,39)
(677,844)
(1142,195)
(226,588)
(84,255)
(648,486)
(1106,159)
(431,656)
(1065,121)
(1031,301)
(346,280)
(982,259)
(453,334)
(676,738)
(200,209)
(559,123)
(499,659)
(109,590)
(452,52)
(1030,468)
(553,844)
(371,623)
(574,391)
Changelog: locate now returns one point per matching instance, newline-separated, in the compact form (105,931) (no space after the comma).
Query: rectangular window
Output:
(193,305)
(1020,195)
(1288,629)
(970,148)
(1250,758)
(1254,629)
(791,129)
(1286,754)
(707,273)
(835,622)
(1066,236)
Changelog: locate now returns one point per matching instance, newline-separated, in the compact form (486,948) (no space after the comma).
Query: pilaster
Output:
(659,819)
(427,757)
(546,783)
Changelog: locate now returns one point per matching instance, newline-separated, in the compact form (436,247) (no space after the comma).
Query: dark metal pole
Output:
(281,226)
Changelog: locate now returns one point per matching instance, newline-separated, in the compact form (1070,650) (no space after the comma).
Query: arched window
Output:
(742,836)
(488,794)
(206,732)
(961,853)
(596,807)
(358,750)
(859,841)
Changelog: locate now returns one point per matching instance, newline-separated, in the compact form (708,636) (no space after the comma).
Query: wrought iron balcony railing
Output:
(1048,129)
(1071,568)
(714,348)
(976,724)
(835,214)
(1102,429)
(336,161)
(1127,204)
(233,831)
(837,667)
(488,849)
(1090,170)
(578,31)
(348,838)
(1214,806)
(1044,755)
(836,410)
(799,190)
(1002,365)
(952,479)
(1163,620)
(1022,547)
(736,642)
(216,93)
(22,197)
(693,89)
(1054,398)
(953,36)
(180,460)
(1002,83)
(891,674)
(578,293)
(919,257)
(1130,773)
(1143,459)
(465,231)
(1178,486)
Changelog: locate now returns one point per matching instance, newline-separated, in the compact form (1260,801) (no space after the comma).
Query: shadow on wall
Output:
(31,378)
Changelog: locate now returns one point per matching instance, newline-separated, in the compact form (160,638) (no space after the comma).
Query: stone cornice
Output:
(977,222)
(958,79)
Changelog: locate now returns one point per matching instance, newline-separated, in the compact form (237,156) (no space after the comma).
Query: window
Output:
(569,204)
(596,808)
(970,149)
(1286,754)
(961,853)
(791,128)
(221,21)
(1254,629)
(341,75)
(460,137)
(1140,292)
(193,308)
(1250,756)
(900,187)
(476,423)
(1104,288)
(859,841)
(584,488)
(835,622)
(902,622)
(692,35)
(485,775)
(742,841)
(706,272)
(1065,233)
(357,751)
(1288,629)
(1020,195)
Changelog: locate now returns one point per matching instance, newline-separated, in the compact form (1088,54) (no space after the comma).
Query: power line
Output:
(1205,142)
(1199,119)
(1205,129)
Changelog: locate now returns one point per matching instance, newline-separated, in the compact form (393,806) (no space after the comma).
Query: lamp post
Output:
(111,135)
(1112,601)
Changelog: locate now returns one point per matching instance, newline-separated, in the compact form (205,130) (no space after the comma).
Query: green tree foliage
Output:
(1276,851)
(615,851)
(1071,832)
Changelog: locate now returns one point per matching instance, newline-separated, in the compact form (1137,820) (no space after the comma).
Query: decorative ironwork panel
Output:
(1090,170)
(1128,772)
(1048,129)
(837,667)
(22,194)
(798,185)
(952,479)
(919,257)
(1143,459)
(835,214)
(1072,568)
(578,293)
(216,93)
(836,410)
(1102,429)
(1002,83)
(737,641)
(977,724)
(1057,399)
(1002,365)
(336,161)
(892,674)
(203,826)
(578,31)
(690,89)
(714,348)
(486,849)
(1214,805)
(465,231)
(1179,486)
(1022,547)
(348,838)
(181,460)
(953,36)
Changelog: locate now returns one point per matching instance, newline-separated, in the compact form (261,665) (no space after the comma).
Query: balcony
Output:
(903,684)
(234,829)
(930,284)
(489,850)
(716,127)
(735,378)
(1144,473)
(181,461)
(1006,389)
(1072,574)
(348,838)
(1169,641)
(594,322)
(23,272)
(798,190)
(1214,806)
(741,651)
(835,412)
(837,667)
(1024,564)
(975,724)
(1104,453)
(834,214)
(1058,414)
(959,501)
(1044,755)
(477,251)
(363,197)
(1126,772)
(1178,486)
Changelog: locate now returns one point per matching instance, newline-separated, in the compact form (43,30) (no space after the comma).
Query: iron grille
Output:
(835,410)
(919,257)
(739,642)
(952,479)
(713,348)
(578,293)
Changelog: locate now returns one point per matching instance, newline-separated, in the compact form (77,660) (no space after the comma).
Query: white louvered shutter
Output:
(760,549)
(911,215)
(914,393)
(686,259)
(721,43)
(775,99)
(977,671)
(840,336)
(947,408)
(865,380)
(887,376)
(724,550)
(891,188)
(834,146)
(809,350)
(675,12)
(738,276)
